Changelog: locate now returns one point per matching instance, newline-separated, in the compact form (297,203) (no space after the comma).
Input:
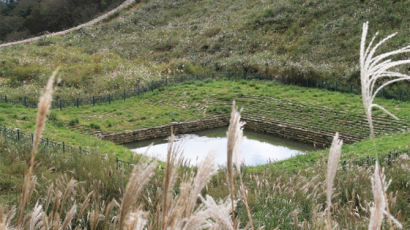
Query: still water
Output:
(256,148)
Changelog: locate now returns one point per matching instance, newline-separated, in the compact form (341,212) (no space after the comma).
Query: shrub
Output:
(74,121)
(95,126)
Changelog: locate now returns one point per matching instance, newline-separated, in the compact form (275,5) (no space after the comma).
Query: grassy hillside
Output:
(313,39)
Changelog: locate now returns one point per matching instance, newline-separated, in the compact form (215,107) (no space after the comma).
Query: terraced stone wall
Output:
(165,130)
(297,133)
(301,134)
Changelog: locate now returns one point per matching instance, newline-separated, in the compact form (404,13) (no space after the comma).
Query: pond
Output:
(256,148)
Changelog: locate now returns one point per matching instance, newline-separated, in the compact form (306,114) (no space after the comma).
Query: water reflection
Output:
(255,149)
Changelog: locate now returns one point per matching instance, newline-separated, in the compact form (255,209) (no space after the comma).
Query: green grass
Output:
(275,190)
(197,100)
(352,152)
(315,39)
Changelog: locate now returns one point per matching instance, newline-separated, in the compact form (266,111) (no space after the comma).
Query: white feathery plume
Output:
(380,208)
(69,217)
(334,157)
(373,69)
(36,217)
(377,211)
(140,176)
(43,109)
(137,220)
(234,136)
(218,213)
(332,163)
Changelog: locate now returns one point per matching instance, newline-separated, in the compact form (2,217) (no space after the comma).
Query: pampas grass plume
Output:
(140,176)
(377,210)
(43,109)
(373,69)
(333,161)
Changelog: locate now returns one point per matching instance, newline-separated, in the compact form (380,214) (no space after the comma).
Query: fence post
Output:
(166,81)
(5,99)
(78,102)
(25,101)
(63,147)
(116,162)
(18,134)
(93,100)
(351,88)
(229,75)
(109,98)
(138,90)
(32,138)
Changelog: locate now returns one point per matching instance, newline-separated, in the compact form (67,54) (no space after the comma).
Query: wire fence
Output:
(48,145)
(401,94)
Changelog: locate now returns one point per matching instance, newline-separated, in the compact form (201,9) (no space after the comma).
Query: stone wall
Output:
(288,131)
(165,130)
(300,134)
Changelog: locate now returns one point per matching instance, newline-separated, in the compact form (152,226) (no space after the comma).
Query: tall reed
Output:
(234,136)
(333,161)
(43,109)
(372,71)
(375,69)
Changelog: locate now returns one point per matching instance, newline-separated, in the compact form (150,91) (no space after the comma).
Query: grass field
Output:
(320,110)
(158,38)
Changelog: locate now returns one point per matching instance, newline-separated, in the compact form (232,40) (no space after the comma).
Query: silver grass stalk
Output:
(332,163)
(219,213)
(205,171)
(85,204)
(172,164)
(211,215)
(376,217)
(234,136)
(140,176)
(108,211)
(380,208)
(376,68)
(35,219)
(182,208)
(43,109)
(137,220)
(69,217)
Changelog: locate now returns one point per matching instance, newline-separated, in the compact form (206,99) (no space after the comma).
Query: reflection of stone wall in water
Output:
(301,134)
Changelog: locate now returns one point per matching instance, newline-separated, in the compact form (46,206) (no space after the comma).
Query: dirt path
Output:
(123,5)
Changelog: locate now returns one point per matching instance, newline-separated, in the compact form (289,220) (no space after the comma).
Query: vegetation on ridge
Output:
(304,39)
(20,19)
